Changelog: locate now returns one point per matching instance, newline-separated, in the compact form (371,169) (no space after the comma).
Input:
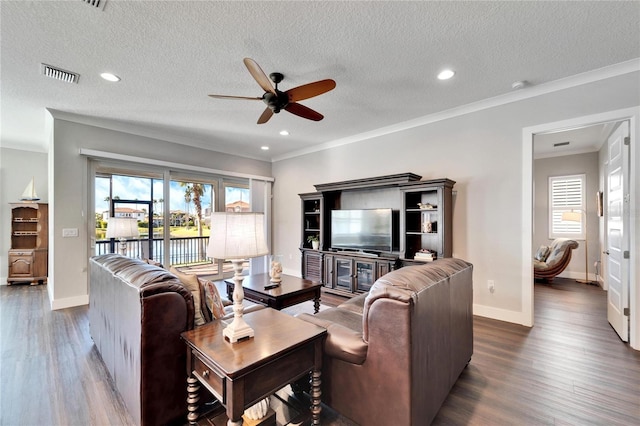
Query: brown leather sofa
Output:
(392,355)
(137,312)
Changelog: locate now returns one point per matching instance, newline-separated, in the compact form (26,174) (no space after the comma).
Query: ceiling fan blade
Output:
(310,90)
(235,97)
(259,75)
(304,112)
(266,115)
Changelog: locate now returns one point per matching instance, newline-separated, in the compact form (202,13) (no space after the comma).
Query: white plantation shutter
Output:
(566,194)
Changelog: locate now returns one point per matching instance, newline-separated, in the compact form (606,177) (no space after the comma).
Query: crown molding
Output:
(519,95)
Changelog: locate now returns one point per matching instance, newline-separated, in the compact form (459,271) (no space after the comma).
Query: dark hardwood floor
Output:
(570,369)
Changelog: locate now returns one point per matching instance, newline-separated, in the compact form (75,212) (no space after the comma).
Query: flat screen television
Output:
(370,229)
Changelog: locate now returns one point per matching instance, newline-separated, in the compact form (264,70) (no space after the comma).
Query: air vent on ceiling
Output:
(555,145)
(98,4)
(60,74)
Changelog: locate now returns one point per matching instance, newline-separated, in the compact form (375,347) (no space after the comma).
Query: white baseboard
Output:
(572,275)
(3,280)
(499,314)
(68,302)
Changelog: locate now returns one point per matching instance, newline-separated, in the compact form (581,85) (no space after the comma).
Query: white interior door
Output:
(617,254)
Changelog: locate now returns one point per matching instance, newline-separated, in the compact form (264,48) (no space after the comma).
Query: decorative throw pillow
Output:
(542,253)
(212,298)
(190,282)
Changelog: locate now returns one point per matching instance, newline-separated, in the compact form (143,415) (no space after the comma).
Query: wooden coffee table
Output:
(291,291)
(283,350)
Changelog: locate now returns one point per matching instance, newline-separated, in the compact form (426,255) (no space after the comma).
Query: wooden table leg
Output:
(193,397)
(316,393)
(316,302)
(235,401)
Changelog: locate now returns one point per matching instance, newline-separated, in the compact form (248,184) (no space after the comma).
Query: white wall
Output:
(568,165)
(17,167)
(482,151)
(68,281)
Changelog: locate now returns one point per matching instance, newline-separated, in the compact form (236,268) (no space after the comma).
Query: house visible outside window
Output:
(567,194)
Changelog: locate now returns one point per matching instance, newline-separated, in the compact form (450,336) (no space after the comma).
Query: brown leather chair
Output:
(392,355)
(557,260)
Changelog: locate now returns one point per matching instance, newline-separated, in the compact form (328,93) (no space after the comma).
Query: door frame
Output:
(527,284)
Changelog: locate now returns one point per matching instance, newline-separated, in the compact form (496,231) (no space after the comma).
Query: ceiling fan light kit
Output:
(278,100)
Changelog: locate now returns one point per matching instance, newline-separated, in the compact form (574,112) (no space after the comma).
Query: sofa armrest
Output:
(247,305)
(342,342)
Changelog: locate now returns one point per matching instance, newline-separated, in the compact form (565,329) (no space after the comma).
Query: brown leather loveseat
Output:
(137,312)
(392,355)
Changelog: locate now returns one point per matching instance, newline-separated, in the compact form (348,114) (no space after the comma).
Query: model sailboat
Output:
(29,193)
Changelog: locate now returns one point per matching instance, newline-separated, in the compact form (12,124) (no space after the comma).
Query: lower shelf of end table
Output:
(283,350)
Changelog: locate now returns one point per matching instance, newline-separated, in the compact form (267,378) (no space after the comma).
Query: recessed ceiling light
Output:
(109,77)
(284,133)
(264,148)
(446,74)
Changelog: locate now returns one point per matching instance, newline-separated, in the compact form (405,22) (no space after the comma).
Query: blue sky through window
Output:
(138,188)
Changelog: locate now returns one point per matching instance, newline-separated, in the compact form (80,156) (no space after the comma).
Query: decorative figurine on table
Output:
(275,271)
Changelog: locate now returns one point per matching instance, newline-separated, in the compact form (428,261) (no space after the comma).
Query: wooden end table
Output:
(291,291)
(283,350)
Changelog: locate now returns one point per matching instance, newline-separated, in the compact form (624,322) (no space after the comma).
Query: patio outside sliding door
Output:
(129,194)
(173,212)
(191,201)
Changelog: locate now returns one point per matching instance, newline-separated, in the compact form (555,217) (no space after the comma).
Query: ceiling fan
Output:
(277,100)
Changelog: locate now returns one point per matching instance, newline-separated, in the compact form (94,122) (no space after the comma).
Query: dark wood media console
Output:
(422,227)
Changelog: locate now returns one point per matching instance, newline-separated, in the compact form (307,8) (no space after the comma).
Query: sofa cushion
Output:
(247,307)
(344,334)
(213,301)
(191,283)
(355,304)
(140,274)
(539,266)
(557,250)
(542,253)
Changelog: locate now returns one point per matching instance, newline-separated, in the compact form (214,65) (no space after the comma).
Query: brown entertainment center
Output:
(422,222)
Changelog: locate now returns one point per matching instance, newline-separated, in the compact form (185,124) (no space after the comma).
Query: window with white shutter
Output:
(566,195)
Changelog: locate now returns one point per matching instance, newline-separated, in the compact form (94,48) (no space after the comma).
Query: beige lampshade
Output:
(237,236)
(122,227)
(572,216)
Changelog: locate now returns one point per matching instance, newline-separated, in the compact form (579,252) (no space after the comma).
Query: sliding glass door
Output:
(193,198)
(173,213)
(129,196)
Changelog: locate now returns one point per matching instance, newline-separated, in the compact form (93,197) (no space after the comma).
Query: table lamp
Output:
(578,216)
(122,228)
(236,237)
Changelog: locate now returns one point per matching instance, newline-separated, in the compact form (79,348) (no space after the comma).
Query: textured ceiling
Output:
(384,57)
